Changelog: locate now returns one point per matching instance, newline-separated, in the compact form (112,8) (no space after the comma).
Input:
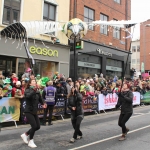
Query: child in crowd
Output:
(7,88)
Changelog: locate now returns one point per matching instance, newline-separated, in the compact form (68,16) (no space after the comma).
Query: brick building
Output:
(13,59)
(103,46)
(144,45)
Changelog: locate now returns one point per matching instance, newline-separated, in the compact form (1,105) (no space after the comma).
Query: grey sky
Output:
(140,9)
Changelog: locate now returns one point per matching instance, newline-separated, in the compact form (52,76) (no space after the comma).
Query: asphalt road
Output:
(100,132)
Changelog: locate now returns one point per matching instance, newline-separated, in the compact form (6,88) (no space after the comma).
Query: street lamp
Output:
(75,29)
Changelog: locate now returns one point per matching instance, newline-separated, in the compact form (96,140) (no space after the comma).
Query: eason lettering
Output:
(43,51)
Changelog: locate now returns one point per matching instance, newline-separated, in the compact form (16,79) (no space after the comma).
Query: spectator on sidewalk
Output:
(50,96)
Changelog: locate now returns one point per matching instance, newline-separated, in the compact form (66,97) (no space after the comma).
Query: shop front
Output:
(49,58)
(95,58)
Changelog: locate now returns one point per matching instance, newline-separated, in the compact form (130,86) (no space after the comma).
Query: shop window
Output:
(44,68)
(103,28)
(138,48)
(116,31)
(89,16)
(133,48)
(11,11)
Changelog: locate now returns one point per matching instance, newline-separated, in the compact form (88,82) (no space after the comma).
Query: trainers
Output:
(127,130)
(24,138)
(31,144)
(79,137)
(122,138)
(50,123)
(72,140)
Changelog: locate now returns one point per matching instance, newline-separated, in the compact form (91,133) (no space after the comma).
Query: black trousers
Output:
(50,108)
(34,122)
(76,122)
(123,118)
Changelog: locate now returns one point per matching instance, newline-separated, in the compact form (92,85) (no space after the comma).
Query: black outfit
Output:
(33,98)
(76,115)
(49,108)
(125,101)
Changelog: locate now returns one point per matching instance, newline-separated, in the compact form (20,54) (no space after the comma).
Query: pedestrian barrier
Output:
(10,107)
(110,100)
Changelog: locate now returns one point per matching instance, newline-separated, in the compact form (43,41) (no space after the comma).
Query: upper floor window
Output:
(89,16)
(103,28)
(133,61)
(133,48)
(49,12)
(117,1)
(116,32)
(11,11)
(138,48)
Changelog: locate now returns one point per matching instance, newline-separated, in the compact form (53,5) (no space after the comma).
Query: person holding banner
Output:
(33,98)
(125,100)
(50,96)
(77,115)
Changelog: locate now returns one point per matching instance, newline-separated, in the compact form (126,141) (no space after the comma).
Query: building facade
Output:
(144,46)
(135,57)
(104,46)
(49,57)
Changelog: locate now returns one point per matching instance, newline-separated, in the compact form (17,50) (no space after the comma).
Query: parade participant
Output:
(33,98)
(125,101)
(77,115)
(50,97)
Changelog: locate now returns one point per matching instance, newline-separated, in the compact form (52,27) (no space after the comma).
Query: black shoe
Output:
(43,124)
(50,123)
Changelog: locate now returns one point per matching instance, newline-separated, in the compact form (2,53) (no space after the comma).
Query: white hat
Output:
(18,83)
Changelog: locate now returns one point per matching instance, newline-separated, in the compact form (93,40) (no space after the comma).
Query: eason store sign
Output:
(43,51)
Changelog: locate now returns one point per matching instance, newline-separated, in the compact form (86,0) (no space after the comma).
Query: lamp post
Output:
(74,50)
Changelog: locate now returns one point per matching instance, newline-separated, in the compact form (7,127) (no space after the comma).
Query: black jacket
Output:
(32,98)
(125,100)
(76,102)
(60,91)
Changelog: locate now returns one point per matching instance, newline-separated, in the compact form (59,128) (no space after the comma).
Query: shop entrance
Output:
(7,65)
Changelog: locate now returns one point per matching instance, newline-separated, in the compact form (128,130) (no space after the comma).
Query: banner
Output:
(9,109)
(89,104)
(145,98)
(136,98)
(107,102)
(59,108)
(110,100)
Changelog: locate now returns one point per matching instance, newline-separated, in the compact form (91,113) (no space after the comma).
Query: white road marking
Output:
(138,113)
(107,139)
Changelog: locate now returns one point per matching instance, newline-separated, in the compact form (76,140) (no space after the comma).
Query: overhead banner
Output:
(110,100)
(9,109)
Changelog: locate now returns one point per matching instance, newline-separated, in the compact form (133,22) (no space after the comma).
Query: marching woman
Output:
(33,98)
(125,100)
(77,115)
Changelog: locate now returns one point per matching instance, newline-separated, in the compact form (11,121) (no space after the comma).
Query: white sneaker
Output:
(72,140)
(79,137)
(24,138)
(31,144)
